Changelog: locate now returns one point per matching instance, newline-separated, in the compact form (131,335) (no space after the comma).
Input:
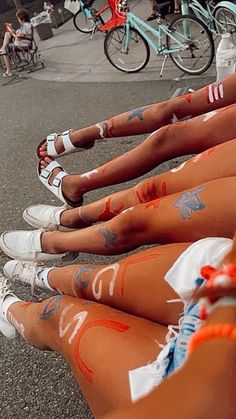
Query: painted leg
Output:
(206,210)
(186,137)
(100,344)
(187,216)
(214,163)
(151,117)
(211,366)
(135,284)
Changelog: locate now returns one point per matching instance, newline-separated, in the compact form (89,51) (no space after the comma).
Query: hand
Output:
(214,293)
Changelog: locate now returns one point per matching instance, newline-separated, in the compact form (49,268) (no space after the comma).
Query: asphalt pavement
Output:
(72,56)
(36,384)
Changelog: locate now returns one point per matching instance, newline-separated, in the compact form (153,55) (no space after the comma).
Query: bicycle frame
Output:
(206,15)
(87,13)
(138,24)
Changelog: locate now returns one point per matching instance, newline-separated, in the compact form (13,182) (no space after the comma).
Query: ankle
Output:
(50,242)
(84,137)
(72,187)
(72,218)
(7,307)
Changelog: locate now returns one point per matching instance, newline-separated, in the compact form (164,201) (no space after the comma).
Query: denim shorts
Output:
(182,278)
(173,354)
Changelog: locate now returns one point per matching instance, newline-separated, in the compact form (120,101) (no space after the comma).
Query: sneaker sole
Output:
(7,329)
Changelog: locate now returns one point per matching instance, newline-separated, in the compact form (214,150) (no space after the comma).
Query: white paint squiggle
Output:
(115,268)
(79,318)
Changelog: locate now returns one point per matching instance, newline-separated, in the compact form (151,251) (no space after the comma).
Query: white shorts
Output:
(182,278)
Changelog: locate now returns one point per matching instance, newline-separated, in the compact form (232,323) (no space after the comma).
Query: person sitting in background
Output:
(155,13)
(48,7)
(20,38)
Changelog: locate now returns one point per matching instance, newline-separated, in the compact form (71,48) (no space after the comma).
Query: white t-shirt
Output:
(26,30)
(186,269)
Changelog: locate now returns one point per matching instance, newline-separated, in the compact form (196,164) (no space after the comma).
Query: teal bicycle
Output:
(187,41)
(219,17)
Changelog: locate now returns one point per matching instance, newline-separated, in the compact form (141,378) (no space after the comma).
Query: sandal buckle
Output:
(51,137)
(45,173)
(56,182)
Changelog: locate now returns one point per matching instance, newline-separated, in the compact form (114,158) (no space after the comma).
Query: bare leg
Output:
(150,118)
(214,163)
(186,137)
(176,6)
(211,366)
(6,41)
(134,284)
(206,210)
(100,344)
(154,13)
(8,63)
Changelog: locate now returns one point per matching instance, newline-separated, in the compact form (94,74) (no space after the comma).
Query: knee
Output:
(162,111)
(33,330)
(129,223)
(159,137)
(148,189)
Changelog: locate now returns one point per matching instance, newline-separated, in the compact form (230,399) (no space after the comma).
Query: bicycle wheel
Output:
(199,50)
(86,24)
(131,58)
(225,20)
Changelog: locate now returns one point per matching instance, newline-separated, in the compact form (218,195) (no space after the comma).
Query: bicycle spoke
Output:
(198,53)
(127,51)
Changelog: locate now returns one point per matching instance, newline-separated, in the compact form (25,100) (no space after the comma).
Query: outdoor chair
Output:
(26,58)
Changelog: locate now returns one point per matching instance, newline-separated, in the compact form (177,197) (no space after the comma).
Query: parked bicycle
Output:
(89,20)
(218,17)
(188,42)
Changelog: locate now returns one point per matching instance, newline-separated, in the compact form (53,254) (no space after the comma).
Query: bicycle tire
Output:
(126,62)
(85,25)
(187,59)
(227,19)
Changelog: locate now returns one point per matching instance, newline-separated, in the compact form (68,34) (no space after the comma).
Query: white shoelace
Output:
(27,275)
(4,287)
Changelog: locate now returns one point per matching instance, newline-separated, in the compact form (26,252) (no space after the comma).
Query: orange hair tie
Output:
(206,333)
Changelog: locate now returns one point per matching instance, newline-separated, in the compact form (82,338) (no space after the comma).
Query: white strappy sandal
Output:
(56,186)
(67,145)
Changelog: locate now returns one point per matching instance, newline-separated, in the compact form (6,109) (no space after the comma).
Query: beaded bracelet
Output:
(219,277)
(213,331)
(216,277)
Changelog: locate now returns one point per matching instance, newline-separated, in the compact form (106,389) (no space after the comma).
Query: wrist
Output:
(212,332)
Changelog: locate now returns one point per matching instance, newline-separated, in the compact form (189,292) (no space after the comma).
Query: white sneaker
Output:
(5,327)
(24,271)
(45,216)
(26,246)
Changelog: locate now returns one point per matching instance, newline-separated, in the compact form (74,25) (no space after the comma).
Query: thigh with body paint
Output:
(100,344)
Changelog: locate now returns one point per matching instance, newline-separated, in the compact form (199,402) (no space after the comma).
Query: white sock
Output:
(7,302)
(42,279)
